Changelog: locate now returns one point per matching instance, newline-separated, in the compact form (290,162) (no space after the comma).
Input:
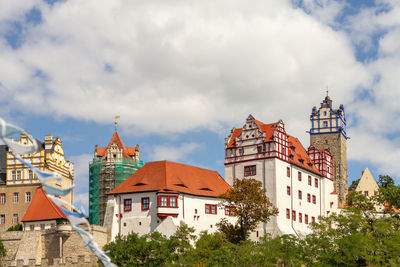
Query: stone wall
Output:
(82,261)
(337,145)
(52,244)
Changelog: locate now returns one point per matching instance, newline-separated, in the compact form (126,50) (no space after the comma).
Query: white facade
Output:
(190,209)
(277,159)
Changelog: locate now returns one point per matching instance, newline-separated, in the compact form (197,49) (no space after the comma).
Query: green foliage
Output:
(17,227)
(354,184)
(357,200)
(385,181)
(3,250)
(250,205)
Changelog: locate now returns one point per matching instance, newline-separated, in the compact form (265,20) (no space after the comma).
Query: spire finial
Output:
(327,90)
(116,121)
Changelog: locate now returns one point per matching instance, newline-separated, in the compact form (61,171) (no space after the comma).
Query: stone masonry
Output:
(337,145)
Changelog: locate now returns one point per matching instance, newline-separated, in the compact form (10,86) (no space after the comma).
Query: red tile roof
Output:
(42,208)
(301,154)
(126,151)
(298,154)
(166,176)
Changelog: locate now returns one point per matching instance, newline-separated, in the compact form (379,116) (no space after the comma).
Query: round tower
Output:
(328,130)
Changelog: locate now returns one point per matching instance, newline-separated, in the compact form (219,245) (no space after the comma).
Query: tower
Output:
(328,131)
(111,166)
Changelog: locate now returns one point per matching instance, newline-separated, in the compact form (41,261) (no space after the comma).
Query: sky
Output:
(182,74)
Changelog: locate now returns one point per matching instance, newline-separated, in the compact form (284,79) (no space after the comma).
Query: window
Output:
(42,226)
(300,194)
(168,201)
(241,151)
(324,113)
(309,180)
(32,227)
(2,219)
(300,217)
(30,174)
(250,170)
(211,209)
(128,204)
(16,197)
(28,197)
(299,176)
(288,171)
(288,190)
(145,203)
(15,218)
(314,199)
(18,175)
(366,193)
(316,182)
(228,211)
(313,219)
(13,175)
(325,124)
(293,215)
(287,214)
(308,198)
(3,198)
(306,219)
(259,149)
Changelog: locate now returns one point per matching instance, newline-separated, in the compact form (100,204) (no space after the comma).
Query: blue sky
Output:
(182,74)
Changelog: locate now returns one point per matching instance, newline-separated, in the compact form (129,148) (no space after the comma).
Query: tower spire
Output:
(116,121)
(327,90)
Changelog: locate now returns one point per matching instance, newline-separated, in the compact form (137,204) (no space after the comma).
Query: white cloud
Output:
(173,152)
(82,200)
(81,178)
(179,65)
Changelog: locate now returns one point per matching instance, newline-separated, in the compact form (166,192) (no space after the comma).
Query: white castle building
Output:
(161,195)
(298,182)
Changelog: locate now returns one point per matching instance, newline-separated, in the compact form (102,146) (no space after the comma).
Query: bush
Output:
(17,227)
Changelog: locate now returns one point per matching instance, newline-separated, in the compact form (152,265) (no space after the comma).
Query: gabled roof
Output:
(301,154)
(266,129)
(166,176)
(42,209)
(126,151)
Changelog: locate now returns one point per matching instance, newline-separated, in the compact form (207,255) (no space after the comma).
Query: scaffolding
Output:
(105,175)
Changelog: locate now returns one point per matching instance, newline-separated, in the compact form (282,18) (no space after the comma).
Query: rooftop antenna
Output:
(116,121)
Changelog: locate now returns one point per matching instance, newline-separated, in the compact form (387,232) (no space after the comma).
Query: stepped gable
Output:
(42,209)
(299,155)
(172,177)
(126,151)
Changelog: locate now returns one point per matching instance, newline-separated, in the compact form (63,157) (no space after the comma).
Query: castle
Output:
(302,183)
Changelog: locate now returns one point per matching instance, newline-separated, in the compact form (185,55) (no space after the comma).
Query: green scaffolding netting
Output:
(104,176)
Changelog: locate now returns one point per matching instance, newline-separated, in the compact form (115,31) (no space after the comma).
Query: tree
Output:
(385,181)
(357,200)
(249,203)
(2,250)
(354,184)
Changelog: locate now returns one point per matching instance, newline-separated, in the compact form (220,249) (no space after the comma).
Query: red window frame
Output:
(293,215)
(313,219)
(288,190)
(210,210)
(250,170)
(316,182)
(148,203)
(300,217)
(308,198)
(168,201)
(228,211)
(314,199)
(126,207)
(288,171)
(306,219)
(300,194)
(287,214)
(299,176)
(309,180)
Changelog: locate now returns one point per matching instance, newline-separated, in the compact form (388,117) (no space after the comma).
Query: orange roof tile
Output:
(42,208)
(163,176)
(301,154)
(126,151)
(236,133)
(267,129)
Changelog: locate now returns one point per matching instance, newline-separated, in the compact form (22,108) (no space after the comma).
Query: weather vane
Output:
(327,88)
(116,121)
